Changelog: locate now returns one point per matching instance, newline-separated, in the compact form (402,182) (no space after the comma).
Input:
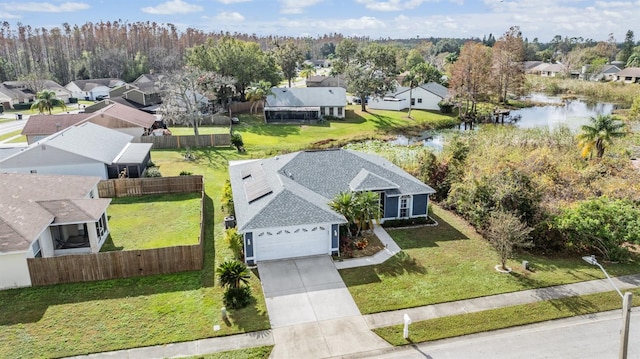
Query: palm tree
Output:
(258,93)
(599,134)
(367,208)
(46,101)
(233,274)
(307,70)
(343,203)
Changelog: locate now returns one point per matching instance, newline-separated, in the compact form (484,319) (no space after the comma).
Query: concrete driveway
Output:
(311,311)
(304,290)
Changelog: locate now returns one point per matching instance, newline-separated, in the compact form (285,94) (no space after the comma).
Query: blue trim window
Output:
(404,206)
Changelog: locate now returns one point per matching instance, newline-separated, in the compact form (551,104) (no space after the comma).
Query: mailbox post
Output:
(407,321)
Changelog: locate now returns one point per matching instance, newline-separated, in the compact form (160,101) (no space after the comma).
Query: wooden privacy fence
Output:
(127,187)
(113,265)
(159,142)
(240,107)
(125,264)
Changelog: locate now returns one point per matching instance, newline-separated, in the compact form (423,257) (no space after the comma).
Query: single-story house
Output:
(423,97)
(86,149)
(112,115)
(326,81)
(549,70)
(529,65)
(605,73)
(629,75)
(17,92)
(47,216)
(282,203)
(304,104)
(93,88)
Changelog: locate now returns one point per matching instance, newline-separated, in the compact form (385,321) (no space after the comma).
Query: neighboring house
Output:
(113,115)
(605,73)
(319,63)
(47,216)
(629,75)
(92,89)
(282,203)
(530,65)
(326,81)
(17,92)
(549,70)
(423,97)
(304,104)
(86,149)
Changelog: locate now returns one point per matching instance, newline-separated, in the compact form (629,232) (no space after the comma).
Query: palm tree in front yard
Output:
(599,134)
(233,274)
(46,101)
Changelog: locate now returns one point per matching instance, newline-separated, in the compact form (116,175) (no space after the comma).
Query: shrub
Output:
(235,242)
(361,243)
(346,247)
(151,164)
(227,199)
(237,298)
(445,106)
(237,142)
(185,173)
(153,172)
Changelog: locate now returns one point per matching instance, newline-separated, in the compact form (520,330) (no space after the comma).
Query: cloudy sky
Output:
(374,18)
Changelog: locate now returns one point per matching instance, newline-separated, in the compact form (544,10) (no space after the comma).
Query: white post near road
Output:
(407,321)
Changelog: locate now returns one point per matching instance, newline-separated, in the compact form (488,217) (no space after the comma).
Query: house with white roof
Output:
(86,149)
(93,89)
(45,216)
(282,203)
(304,104)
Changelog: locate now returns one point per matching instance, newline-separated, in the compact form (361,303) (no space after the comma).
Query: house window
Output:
(37,252)
(339,111)
(419,100)
(413,101)
(34,171)
(404,206)
(330,111)
(101,226)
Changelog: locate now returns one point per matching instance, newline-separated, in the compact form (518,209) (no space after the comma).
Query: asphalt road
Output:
(10,126)
(596,336)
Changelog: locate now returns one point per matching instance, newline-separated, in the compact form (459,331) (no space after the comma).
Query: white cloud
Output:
(296,6)
(45,7)
(391,5)
(6,15)
(230,16)
(172,7)
(227,2)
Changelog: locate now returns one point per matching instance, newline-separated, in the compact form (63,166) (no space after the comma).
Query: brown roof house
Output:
(114,116)
(47,216)
(629,75)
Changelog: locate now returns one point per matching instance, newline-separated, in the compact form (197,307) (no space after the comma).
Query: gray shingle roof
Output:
(307,96)
(303,184)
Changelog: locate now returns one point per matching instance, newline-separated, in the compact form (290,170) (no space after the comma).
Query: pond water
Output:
(571,113)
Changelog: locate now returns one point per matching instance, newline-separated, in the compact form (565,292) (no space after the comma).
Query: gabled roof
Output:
(610,69)
(29,203)
(302,184)
(49,124)
(629,72)
(307,97)
(86,140)
(437,89)
(90,84)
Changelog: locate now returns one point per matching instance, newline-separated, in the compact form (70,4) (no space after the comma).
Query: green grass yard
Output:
(249,353)
(153,221)
(8,135)
(452,262)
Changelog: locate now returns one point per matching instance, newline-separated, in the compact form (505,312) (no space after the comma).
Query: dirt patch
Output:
(373,246)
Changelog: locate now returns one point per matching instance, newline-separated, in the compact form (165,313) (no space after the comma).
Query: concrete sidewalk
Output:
(390,250)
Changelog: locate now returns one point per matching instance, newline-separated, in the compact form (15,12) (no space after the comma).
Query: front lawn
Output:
(248,353)
(452,262)
(8,135)
(80,318)
(153,221)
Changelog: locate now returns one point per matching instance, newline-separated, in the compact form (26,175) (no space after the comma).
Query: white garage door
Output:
(291,242)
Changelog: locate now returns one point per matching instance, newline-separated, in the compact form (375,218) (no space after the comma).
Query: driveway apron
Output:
(311,311)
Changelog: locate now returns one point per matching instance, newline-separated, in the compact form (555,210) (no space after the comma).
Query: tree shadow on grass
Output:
(352,116)
(251,319)
(359,276)
(213,156)
(274,129)
(400,264)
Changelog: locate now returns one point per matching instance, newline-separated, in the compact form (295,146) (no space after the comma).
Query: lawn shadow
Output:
(250,318)
(214,156)
(151,198)
(400,264)
(359,276)
(109,246)
(353,117)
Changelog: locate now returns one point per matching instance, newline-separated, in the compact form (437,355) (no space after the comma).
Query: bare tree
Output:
(183,96)
(506,231)
(508,67)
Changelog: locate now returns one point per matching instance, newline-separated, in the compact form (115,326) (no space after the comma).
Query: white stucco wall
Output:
(14,271)
(393,104)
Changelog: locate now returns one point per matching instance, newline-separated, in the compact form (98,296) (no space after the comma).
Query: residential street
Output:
(595,336)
